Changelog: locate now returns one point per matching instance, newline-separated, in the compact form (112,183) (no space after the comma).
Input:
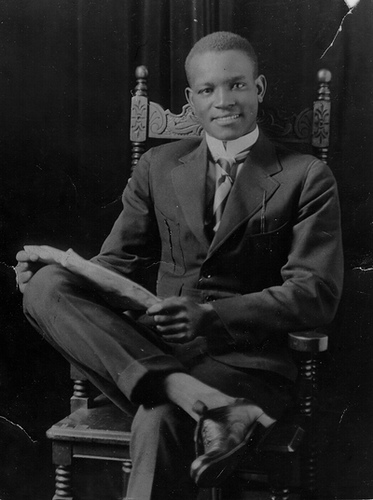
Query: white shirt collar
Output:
(232,148)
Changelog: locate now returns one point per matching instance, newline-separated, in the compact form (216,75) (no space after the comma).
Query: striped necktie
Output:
(224,183)
(226,172)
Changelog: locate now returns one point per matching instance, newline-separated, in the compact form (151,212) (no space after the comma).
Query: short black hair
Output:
(220,41)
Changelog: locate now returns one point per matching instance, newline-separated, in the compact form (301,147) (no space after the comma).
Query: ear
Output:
(261,85)
(189,97)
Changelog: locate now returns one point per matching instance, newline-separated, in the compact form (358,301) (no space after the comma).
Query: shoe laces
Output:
(211,432)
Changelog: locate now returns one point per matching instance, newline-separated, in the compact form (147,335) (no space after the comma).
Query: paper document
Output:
(117,290)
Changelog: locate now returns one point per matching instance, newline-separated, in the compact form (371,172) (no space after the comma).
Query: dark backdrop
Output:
(66,71)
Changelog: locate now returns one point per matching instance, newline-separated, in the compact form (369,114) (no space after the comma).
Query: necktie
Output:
(225,178)
(224,184)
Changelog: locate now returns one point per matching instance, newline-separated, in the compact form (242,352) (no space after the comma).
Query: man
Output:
(246,237)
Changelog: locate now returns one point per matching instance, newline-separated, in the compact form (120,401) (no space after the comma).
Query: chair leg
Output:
(216,494)
(126,470)
(309,470)
(309,459)
(280,493)
(63,483)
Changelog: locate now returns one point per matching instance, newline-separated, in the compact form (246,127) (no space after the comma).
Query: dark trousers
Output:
(127,361)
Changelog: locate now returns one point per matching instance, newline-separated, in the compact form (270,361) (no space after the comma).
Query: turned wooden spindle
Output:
(280,494)
(63,483)
(80,398)
(309,346)
(139,115)
(321,116)
(126,470)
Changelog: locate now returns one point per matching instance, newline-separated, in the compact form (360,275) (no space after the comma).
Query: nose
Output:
(223,98)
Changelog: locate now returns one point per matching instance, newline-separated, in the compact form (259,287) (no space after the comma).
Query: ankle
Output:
(251,412)
(266,420)
(214,399)
(254,412)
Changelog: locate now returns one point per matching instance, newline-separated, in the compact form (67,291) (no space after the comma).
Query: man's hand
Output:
(27,266)
(179,319)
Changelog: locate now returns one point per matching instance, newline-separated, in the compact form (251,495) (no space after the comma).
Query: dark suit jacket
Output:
(275,264)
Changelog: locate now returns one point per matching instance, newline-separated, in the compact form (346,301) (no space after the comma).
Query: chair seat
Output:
(102,432)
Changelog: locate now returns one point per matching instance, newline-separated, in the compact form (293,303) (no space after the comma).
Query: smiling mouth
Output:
(224,120)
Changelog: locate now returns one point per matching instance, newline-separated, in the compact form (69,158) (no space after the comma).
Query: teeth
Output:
(227,118)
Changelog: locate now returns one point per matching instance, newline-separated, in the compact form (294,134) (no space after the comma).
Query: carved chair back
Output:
(149,120)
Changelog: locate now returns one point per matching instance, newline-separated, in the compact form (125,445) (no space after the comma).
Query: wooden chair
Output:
(96,429)
(286,460)
(310,127)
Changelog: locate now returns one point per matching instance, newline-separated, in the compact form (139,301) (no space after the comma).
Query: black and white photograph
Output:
(186,252)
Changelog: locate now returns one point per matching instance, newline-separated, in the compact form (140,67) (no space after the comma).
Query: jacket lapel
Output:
(189,181)
(245,199)
(254,187)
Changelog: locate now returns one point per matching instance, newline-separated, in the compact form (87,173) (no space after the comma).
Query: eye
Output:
(238,85)
(205,91)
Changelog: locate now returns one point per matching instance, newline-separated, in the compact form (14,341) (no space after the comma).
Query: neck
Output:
(229,149)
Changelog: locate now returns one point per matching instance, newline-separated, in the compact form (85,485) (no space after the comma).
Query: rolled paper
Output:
(117,290)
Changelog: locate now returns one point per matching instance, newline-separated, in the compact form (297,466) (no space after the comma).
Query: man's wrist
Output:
(210,313)
(218,338)
(212,322)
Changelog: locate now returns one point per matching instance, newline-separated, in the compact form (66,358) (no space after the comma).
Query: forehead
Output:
(213,66)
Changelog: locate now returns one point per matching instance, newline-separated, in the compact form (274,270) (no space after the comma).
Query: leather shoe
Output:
(221,437)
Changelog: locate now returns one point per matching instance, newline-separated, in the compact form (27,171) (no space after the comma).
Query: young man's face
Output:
(224,93)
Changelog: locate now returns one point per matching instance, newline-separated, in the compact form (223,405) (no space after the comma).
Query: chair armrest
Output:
(307,347)
(310,341)
(287,435)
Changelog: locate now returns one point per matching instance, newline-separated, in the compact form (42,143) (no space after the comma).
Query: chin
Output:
(226,134)
(222,135)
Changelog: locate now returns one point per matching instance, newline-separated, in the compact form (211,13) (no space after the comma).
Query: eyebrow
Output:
(228,80)
(235,78)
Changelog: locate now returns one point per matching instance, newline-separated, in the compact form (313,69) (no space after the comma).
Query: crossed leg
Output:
(127,361)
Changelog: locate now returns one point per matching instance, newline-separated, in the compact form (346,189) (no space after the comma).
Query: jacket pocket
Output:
(270,252)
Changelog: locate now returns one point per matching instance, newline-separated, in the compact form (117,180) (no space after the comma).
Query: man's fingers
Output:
(22,266)
(160,309)
(23,256)
(171,319)
(167,306)
(171,328)
(178,338)
(24,277)
(24,269)
(27,265)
